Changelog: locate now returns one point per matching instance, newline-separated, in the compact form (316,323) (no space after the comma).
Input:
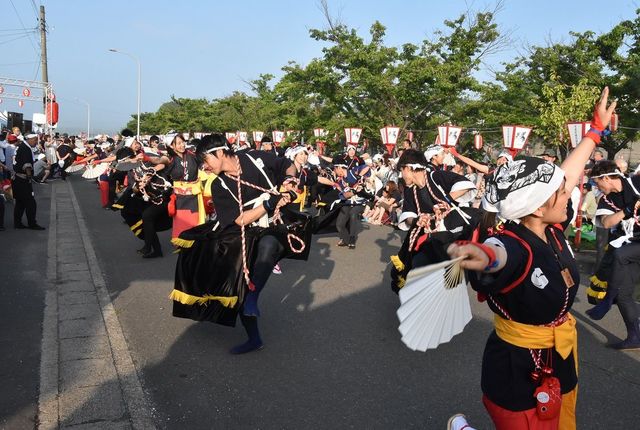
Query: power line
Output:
(16,64)
(14,39)
(23,27)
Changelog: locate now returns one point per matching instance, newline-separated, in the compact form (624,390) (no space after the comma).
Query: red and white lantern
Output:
(257,138)
(390,136)
(242,137)
(20,103)
(577,130)
(449,135)
(278,136)
(26,92)
(353,135)
(515,137)
(1,89)
(613,125)
(231,137)
(478,142)
(320,133)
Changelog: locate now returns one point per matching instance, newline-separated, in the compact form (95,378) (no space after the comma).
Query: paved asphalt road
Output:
(333,355)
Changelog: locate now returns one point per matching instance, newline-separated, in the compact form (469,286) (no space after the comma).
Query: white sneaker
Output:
(277,270)
(458,422)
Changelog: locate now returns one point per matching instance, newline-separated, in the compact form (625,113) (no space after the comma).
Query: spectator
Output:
(386,201)
(41,169)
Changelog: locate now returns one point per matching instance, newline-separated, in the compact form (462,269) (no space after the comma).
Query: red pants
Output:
(104,193)
(505,419)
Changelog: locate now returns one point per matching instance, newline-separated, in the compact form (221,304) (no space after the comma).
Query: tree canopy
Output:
(361,81)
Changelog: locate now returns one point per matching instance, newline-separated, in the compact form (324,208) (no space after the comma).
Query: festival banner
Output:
(449,135)
(515,137)
(577,130)
(278,136)
(353,135)
(242,137)
(231,137)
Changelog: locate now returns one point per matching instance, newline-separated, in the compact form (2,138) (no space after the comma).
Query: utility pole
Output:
(43,49)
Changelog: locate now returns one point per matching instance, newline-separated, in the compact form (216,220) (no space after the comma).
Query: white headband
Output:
(614,173)
(415,166)
(209,151)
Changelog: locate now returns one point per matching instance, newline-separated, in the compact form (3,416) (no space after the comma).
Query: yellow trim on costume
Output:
(184,188)
(117,206)
(136,225)
(397,263)
(302,198)
(597,282)
(564,338)
(206,179)
(182,243)
(188,299)
(598,295)
(401,282)
(193,188)
(138,232)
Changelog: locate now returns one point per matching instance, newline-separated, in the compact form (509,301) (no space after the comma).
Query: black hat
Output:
(339,161)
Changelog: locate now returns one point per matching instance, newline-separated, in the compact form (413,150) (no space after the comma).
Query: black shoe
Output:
(36,227)
(152,254)
(143,250)
(352,246)
(342,243)
(19,226)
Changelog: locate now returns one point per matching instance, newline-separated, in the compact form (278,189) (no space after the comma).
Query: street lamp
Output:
(137,60)
(88,117)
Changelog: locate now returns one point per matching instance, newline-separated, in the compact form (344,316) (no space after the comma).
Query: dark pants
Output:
(269,252)
(349,222)
(602,238)
(24,201)
(114,177)
(625,275)
(149,226)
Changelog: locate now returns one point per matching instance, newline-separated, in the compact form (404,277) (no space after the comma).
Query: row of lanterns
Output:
(514,137)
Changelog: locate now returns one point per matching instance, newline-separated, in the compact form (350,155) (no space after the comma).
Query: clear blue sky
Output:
(198,48)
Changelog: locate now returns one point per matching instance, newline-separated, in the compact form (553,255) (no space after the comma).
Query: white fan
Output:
(434,305)
(95,171)
(79,151)
(75,167)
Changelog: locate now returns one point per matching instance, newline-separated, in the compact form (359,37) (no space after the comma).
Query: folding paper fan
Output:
(434,305)
(75,167)
(95,171)
(79,151)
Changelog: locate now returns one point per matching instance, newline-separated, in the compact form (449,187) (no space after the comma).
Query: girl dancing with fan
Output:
(529,277)
(430,212)
(229,260)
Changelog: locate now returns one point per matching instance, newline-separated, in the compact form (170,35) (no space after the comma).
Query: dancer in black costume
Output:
(230,261)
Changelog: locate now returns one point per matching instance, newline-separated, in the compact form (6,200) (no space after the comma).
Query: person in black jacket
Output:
(22,188)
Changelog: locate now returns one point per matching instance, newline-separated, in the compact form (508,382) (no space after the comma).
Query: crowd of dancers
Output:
(235,212)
